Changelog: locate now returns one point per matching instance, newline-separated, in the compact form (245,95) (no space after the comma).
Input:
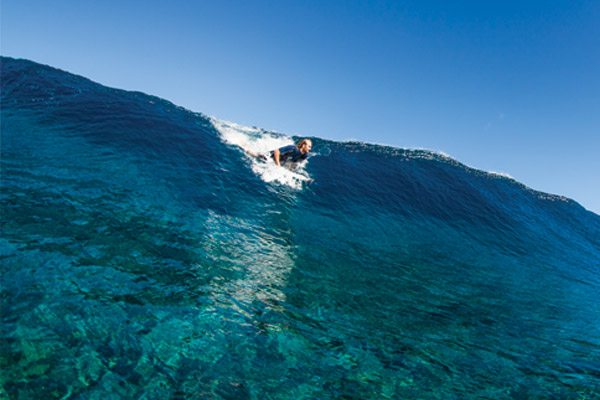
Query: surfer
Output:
(292,153)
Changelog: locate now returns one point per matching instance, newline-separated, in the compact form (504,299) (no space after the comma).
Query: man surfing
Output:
(292,153)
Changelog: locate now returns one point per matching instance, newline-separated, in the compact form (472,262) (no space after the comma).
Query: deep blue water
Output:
(144,257)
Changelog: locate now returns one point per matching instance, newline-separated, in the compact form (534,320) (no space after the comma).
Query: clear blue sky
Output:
(506,86)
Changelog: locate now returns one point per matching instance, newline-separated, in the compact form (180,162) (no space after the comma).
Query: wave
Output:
(146,253)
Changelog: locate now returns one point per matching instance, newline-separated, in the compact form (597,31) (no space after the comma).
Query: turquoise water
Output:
(145,256)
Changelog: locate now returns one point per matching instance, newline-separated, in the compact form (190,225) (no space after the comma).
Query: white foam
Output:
(502,174)
(254,142)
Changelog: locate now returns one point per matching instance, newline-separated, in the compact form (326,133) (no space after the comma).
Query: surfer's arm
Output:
(276,155)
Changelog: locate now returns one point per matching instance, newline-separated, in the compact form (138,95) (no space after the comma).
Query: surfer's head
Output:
(304,145)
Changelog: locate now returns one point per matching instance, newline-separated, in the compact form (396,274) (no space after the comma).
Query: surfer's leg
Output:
(251,153)
(259,156)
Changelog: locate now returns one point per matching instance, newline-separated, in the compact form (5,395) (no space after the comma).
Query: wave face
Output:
(146,255)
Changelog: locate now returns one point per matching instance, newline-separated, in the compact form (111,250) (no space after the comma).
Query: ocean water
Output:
(146,255)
